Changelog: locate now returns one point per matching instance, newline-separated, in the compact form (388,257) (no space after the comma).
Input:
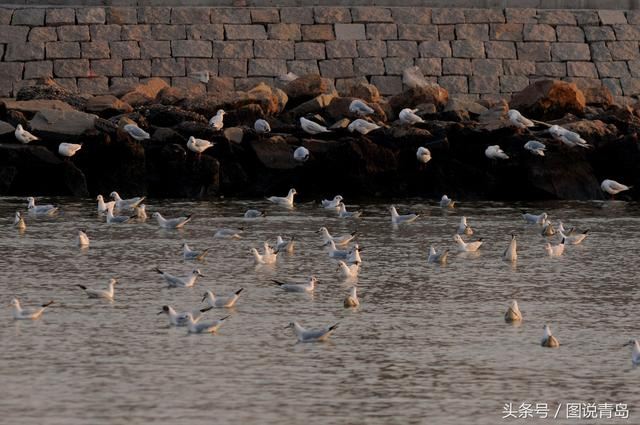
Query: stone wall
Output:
(471,52)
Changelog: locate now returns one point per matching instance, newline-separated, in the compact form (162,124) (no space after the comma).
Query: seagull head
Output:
(631,342)
(113,280)
(197,272)
(155,214)
(114,195)
(165,309)
(292,192)
(208,294)
(15,302)
(220,112)
(290,325)
(313,280)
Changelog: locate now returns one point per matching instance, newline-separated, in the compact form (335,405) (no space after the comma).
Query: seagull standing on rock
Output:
(362,126)
(301,154)
(535,147)
(136,132)
(198,145)
(68,149)
(423,155)
(408,116)
(567,137)
(494,152)
(612,187)
(23,136)
(312,127)
(359,108)
(517,120)
(217,121)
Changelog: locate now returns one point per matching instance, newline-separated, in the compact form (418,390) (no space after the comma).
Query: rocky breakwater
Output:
(381,163)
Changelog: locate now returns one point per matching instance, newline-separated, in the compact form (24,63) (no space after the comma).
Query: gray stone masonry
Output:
(472,52)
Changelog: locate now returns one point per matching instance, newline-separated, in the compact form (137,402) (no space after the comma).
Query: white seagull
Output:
(107,294)
(312,127)
(104,206)
(117,219)
(555,250)
(353,255)
(82,240)
(574,239)
(171,223)
(534,219)
(227,233)
(535,147)
(494,152)
(261,126)
(464,228)
(23,135)
(517,120)
(567,137)
(68,149)
(180,319)
(334,252)
(401,219)
(254,213)
(548,340)
(198,145)
(343,213)
(352,300)
(338,240)
(136,132)
(513,313)
(360,108)
(298,287)
(348,271)
(423,155)
(612,187)
(511,253)
(288,77)
(195,326)
(221,302)
(311,335)
(269,256)
(301,154)
(286,201)
(362,126)
(284,246)
(467,246)
(217,121)
(635,351)
(332,203)
(446,202)
(18,221)
(408,116)
(20,313)
(189,254)
(440,258)
(177,282)
(125,204)
(40,210)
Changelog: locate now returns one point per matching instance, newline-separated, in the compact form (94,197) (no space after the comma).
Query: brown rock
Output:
(410,98)
(271,100)
(314,105)
(549,99)
(107,106)
(144,93)
(33,106)
(307,87)
(274,153)
(367,92)
(599,96)
(62,123)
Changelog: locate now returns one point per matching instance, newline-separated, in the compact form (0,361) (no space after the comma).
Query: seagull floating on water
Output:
(446,202)
(82,240)
(221,302)
(333,203)
(574,239)
(261,126)
(555,250)
(227,233)
(136,132)
(423,155)
(567,137)
(548,229)
(180,319)
(401,219)
(535,147)
(348,271)
(517,120)
(177,282)
(141,212)
(467,246)
(343,213)
(268,256)
(338,240)
(40,210)
(298,287)
(311,335)
(334,252)
(311,127)
(511,253)
(171,223)
(117,219)
(360,108)
(513,313)
(284,246)
(198,145)
(440,258)
(18,221)
(362,126)
(217,121)
(612,187)
(494,152)
(353,255)
(464,228)
(68,149)
(107,294)
(408,116)
(22,313)
(352,300)
(548,340)
(534,219)
(286,201)
(125,204)
(189,254)
(23,136)
(254,214)
(635,351)
(104,206)
(195,326)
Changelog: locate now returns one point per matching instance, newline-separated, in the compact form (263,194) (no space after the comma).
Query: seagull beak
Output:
(204,297)
(160,312)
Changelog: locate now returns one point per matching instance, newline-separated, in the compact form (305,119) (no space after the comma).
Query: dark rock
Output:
(7,132)
(30,107)
(168,116)
(107,106)
(52,124)
(598,96)
(549,99)
(50,90)
(313,106)
(274,153)
(415,96)
(233,134)
(367,92)
(144,93)
(306,88)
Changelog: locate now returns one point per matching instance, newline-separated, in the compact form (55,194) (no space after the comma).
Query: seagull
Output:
(284,246)
(548,340)
(423,155)
(217,121)
(535,147)
(362,126)
(335,252)
(298,287)
(20,313)
(353,255)
(408,116)
(494,152)
(333,203)
(360,108)
(198,145)
(312,127)
(269,257)
(40,210)
(125,204)
(401,219)
(513,313)
(18,221)
(107,294)
(226,233)
(574,239)
(612,187)
(352,300)
(23,135)
(517,120)
(68,149)
(180,319)
(339,240)
(343,213)
(434,257)
(288,77)
(220,302)
(446,202)
(82,240)
(467,246)
(534,219)
(177,282)
(562,229)
(555,250)
(511,254)
(348,271)
(171,223)
(464,228)
(567,137)
(195,326)
(117,219)
(301,154)
(286,201)
(254,214)
(136,132)
(311,335)
(104,206)
(189,254)
(141,212)
(547,229)
(635,351)
(261,126)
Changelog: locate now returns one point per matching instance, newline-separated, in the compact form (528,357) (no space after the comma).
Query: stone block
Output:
(387,85)
(122,15)
(454,84)
(94,85)
(317,32)
(467,49)
(38,69)
(118,83)
(273,49)
(627,32)
(304,67)
(13,34)
(540,32)
(513,83)
(90,15)
(372,48)
(193,65)
(42,34)
(310,50)
(612,17)
(613,84)
(616,69)
(154,15)
(600,52)
(417,32)
(481,16)
(5,16)
(341,49)
(402,48)
(168,32)
(506,32)
(350,31)
(336,68)
(169,67)
(587,17)
(232,68)
(150,49)
(570,52)
(331,15)
(232,49)
(472,32)
(136,32)
(556,17)
(551,69)
(11,71)
(71,68)
(191,48)
(60,17)
(518,67)
(24,52)
(630,86)
(190,15)
(136,68)
(411,15)
(484,84)
(455,66)
(448,16)
(521,16)
(107,67)
(234,15)
(205,32)
(581,69)
(296,15)
(397,65)
(246,84)
(30,17)
(95,50)
(73,33)
(125,49)
(500,49)
(435,49)
(368,66)
(382,31)
(105,32)
(245,32)
(284,32)
(570,34)
(534,51)
(430,66)
(599,33)
(633,17)
(446,32)
(267,67)
(371,14)
(344,85)
(634,68)
(486,67)
(623,50)
(265,15)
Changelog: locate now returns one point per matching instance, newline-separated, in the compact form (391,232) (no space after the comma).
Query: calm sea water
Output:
(428,344)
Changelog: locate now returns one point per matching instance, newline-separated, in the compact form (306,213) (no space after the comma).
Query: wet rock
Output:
(107,106)
(549,99)
(50,123)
